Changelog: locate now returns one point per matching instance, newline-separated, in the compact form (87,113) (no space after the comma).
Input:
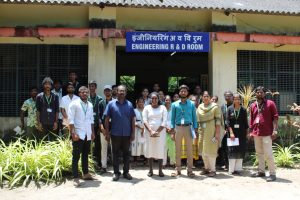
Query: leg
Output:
(77,149)
(126,154)
(239,165)
(150,173)
(206,163)
(97,147)
(178,143)
(160,165)
(85,156)
(231,168)
(258,142)
(116,145)
(268,152)
(104,144)
(165,155)
(189,147)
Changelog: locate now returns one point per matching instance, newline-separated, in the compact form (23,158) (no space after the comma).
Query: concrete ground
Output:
(223,186)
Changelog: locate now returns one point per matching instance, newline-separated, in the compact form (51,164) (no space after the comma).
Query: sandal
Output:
(191,174)
(150,173)
(211,174)
(175,174)
(204,172)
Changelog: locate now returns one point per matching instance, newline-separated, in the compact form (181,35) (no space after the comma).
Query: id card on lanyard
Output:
(49,100)
(84,107)
(236,115)
(259,110)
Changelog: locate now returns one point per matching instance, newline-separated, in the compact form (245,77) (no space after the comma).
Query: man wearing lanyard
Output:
(104,143)
(95,99)
(122,116)
(47,105)
(183,121)
(222,159)
(82,130)
(263,127)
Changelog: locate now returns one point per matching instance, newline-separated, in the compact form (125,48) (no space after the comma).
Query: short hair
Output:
(57,81)
(93,83)
(33,88)
(122,86)
(72,72)
(113,86)
(139,98)
(82,88)
(236,95)
(68,84)
(47,80)
(260,88)
(155,94)
(168,96)
(228,92)
(184,87)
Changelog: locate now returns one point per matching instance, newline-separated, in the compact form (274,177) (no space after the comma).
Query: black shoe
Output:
(102,171)
(161,174)
(127,176)
(271,178)
(116,177)
(258,174)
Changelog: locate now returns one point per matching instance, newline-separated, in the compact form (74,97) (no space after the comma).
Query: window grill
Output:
(23,66)
(276,71)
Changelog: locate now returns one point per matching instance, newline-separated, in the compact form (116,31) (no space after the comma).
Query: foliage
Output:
(248,95)
(26,160)
(286,156)
(129,81)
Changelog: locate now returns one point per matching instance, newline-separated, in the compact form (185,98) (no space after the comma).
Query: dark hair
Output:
(113,86)
(228,92)
(217,98)
(237,95)
(57,81)
(260,88)
(33,88)
(145,88)
(138,99)
(206,93)
(156,94)
(72,71)
(184,87)
(69,83)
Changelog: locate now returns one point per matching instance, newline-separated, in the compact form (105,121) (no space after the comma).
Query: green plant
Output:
(286,156)
(248,95)
(26,160)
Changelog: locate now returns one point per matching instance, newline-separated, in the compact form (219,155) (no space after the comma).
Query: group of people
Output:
(159,128)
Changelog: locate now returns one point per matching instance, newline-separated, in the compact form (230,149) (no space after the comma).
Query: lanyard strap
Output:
(84,107)
(237,114)
(260,108)
(49,100)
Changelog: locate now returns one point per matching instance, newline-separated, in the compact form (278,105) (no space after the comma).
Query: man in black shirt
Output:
(47,105)
(76,84)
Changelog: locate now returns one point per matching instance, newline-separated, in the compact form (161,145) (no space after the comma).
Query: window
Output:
(23,66)
(276,71)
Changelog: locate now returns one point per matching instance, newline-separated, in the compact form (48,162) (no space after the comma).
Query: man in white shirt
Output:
(64,107)
(82,130)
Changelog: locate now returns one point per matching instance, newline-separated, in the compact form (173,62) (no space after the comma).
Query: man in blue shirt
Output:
(184,125)
(121,114)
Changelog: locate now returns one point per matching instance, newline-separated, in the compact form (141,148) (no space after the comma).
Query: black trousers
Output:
(80,147)
(120,143)
(222,158)
(48,133)
(97,146)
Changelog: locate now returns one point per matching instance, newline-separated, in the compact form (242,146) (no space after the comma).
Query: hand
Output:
(249,137)
(152,133)
(172,131)
(22,126)
(142,131)
(173,136)
(107,137)
(217,136)
(132,137)
(274,135)
(55,126)
(196,131)
(232,137)
(75,137)
(93,136)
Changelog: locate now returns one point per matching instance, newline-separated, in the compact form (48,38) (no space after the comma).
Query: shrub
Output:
(286,156)
(26,160)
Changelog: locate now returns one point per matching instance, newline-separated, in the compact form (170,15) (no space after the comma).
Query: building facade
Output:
(250,43)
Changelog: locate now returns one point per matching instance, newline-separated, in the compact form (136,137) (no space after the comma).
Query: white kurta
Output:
(138,145)
(155,117)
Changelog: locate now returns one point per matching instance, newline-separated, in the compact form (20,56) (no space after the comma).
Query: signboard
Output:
(167,42)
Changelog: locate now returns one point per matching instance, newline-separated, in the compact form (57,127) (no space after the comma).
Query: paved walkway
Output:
(142,187)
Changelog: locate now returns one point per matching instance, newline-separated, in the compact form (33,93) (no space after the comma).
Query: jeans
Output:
(80,147)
